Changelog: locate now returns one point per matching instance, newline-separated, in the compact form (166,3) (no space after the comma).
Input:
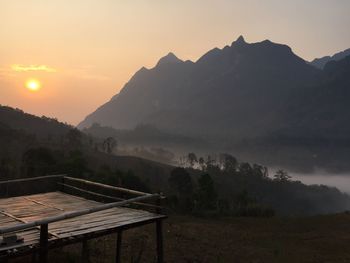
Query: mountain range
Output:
(256,92)
(241,89)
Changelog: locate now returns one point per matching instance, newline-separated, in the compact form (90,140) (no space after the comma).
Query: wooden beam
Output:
(160,252)
(32,179)
(90,192)
(119,246)
(119,189)
(155,207)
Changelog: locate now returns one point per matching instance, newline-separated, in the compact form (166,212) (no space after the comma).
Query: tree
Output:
(228,162)
(180,181)
(192,159)
(201,163)
(245,169)
(75,164)
(282,176)
(130,180)
(181,185)
(260,171)
(206,195)
(38,162)
(109,145)
(211,165)
(74,138)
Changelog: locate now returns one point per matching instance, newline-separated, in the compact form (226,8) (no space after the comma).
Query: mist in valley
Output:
(340,181)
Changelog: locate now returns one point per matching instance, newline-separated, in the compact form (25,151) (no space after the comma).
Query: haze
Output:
(84,52)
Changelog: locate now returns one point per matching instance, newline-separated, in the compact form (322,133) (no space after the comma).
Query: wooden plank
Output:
(98,224)
(98,221)
(106,227)
(40,203)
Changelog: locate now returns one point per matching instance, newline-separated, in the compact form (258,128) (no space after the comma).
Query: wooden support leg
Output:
(44,239)
(160,255)
(85,258)
(119,245)
(34,257)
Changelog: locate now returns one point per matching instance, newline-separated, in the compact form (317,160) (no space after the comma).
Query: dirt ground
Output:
(239,240)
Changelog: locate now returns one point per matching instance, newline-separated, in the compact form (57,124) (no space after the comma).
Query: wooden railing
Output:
(92,190)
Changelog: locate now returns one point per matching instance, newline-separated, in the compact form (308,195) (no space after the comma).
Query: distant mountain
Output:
(239,90)
(321,62)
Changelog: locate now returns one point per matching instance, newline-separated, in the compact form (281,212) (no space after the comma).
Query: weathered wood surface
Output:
(19,210)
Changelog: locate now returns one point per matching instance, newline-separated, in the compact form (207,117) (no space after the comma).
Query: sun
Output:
(33,85)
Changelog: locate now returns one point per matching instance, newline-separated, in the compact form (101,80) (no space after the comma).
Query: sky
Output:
(83,51)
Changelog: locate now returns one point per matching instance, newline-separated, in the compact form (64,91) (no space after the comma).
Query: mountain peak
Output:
(239,42)
(169,59)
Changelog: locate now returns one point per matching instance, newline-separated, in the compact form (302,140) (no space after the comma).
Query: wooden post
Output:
(34,257)
(44,239)
(119,246)
(160,255)
(159,204)
(85,257)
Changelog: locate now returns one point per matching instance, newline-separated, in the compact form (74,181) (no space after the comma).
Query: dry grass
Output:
(240,240)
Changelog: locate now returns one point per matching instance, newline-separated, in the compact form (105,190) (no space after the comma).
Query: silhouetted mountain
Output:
(238,90)
(321,62)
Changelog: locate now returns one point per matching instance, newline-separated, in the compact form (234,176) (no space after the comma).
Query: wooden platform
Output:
(24,209)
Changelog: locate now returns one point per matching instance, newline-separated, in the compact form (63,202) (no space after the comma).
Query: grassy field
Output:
(254,240)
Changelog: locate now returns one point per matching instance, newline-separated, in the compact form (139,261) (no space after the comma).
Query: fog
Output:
(341,181)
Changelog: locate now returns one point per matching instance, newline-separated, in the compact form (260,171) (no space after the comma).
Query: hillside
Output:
(42,127)
(35,146)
